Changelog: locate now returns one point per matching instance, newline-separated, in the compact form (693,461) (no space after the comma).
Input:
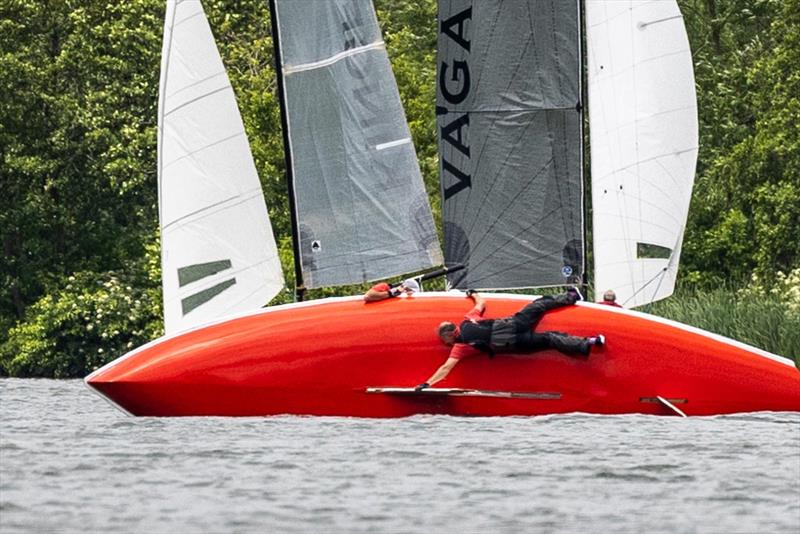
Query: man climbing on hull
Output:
(508,335)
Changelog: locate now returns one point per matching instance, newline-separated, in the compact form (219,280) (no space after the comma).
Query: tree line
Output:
(80,280)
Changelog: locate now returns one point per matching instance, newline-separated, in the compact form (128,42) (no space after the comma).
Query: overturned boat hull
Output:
(327,357)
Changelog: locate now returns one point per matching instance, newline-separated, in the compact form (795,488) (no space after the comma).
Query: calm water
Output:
(69,462)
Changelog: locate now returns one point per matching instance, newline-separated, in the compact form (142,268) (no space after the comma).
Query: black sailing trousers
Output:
(514,334)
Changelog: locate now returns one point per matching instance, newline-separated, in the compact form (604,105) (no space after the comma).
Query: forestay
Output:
(643,139)
(361,205)
(509,124)
(218,251)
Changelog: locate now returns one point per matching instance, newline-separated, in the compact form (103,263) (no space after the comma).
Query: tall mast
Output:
(585,170)
(298,269)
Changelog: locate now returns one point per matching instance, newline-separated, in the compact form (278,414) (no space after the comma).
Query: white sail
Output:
(644,139)
(218,252)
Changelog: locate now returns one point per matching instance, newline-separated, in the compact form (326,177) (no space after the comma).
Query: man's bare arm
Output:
(374,295)
(442,371)
(480,304)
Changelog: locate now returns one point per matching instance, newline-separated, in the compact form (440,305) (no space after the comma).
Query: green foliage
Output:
(745,214)
(77,137)
(93,319)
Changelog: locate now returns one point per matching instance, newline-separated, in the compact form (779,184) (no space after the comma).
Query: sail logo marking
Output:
(199,271)
(454,132)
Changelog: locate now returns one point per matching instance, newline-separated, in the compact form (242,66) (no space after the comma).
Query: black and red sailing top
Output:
(472,333)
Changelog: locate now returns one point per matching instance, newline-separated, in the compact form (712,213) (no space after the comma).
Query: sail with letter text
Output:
(509,124)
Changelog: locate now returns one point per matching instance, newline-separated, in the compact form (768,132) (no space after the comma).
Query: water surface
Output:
(69,462)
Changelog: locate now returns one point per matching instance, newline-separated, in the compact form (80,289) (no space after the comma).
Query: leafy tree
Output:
(93,319)
(745,215)
(77,128)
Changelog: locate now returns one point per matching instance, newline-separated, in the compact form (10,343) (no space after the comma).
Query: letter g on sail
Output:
(458,67)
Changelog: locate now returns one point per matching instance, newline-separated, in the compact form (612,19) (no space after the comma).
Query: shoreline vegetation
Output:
(80,276)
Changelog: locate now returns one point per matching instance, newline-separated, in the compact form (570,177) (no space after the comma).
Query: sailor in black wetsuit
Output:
(509,334)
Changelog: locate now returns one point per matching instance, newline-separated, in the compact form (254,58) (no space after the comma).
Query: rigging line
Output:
(617,170)
(495,179)
(489,39)
(514,238)
(503,271)
(517,109)
(582,178)
(658,274)
(655,291)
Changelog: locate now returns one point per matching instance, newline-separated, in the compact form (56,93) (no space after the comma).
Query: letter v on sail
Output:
(510,143)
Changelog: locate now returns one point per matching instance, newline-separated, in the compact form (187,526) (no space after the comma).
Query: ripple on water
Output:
(70,462)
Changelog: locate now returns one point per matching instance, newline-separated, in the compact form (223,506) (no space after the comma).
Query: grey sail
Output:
(361,205)
(509,126)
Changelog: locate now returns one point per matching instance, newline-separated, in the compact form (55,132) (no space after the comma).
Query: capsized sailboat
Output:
(509,114)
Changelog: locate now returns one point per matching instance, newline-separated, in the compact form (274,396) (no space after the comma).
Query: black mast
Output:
(585,168)
(300,288)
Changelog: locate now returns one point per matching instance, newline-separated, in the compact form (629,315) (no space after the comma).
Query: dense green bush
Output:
(92,319)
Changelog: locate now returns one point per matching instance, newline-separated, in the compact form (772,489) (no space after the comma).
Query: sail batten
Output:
(362,209)
(209,190)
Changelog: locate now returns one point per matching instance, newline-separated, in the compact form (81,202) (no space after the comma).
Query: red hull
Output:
(318,359)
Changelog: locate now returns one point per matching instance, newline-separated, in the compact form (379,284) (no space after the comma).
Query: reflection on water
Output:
(69,462)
